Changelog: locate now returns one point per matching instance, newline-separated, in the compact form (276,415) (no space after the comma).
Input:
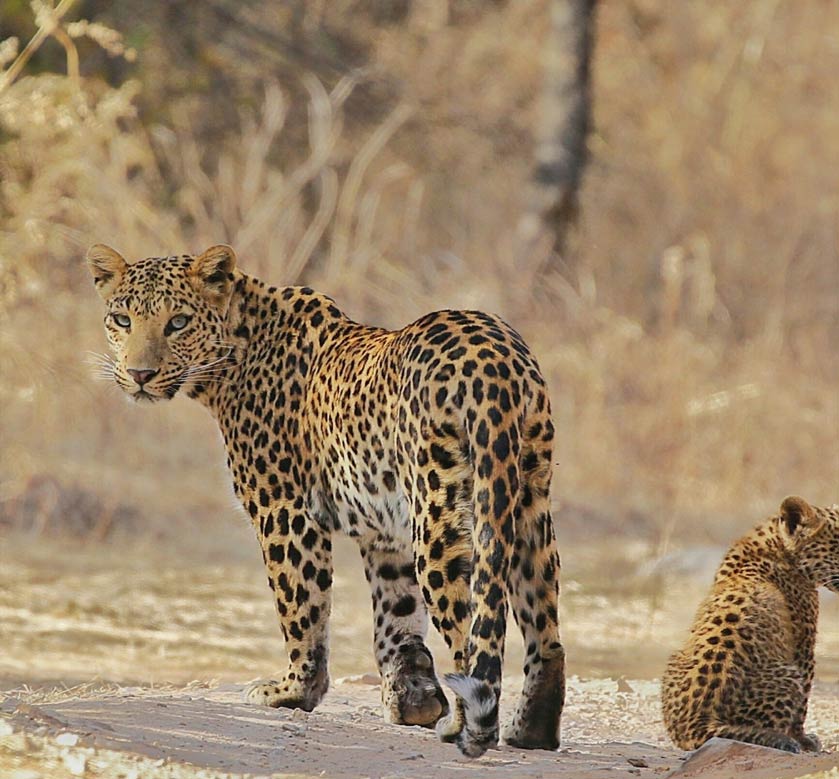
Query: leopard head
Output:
(166,319)
(811,534)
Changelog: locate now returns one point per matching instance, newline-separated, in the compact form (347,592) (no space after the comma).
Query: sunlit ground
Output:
(134,614)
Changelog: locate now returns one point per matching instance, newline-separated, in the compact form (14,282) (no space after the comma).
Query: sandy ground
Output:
(134,732)
(129,662)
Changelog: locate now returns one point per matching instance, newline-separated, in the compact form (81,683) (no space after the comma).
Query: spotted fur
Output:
(747,668)
(430,445)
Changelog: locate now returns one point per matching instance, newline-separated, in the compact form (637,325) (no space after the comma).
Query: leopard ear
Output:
(212,272)
(797,517)
(107,266)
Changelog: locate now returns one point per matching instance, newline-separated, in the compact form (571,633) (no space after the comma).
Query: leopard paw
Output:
(286,694)
(411,694)
(809,742)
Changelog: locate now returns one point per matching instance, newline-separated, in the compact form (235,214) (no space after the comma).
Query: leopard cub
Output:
(747,668)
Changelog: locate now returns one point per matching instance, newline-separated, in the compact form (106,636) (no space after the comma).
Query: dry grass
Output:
(689,338)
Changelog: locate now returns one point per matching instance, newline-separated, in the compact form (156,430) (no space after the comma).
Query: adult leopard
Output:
(430,445)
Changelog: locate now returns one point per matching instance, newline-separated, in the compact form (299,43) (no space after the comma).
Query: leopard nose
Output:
(142,376)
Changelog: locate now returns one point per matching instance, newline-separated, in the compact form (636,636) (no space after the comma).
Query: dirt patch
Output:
(343,738)
(191,732)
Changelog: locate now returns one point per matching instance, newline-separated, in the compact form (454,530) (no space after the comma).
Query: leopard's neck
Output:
(762,556)
(266,324)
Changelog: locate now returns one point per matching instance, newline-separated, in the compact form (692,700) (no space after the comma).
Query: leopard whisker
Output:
(210,368)
(210,372)
(208,379)
(211,364)
(100,360)
(204,365)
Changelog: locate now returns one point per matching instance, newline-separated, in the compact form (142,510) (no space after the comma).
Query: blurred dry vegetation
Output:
(379,151)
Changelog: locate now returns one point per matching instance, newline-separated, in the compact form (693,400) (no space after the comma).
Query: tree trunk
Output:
(561,154)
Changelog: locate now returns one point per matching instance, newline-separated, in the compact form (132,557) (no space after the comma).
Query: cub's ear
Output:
(212,272)
(107,266)
(797,518)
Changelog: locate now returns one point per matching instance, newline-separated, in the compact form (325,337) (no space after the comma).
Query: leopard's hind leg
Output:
(411,694)
(773,701)
(440,486)
(534,593)
(494,446)
(765,706)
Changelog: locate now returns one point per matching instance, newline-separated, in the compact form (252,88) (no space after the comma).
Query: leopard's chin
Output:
(146,395)
(142,397)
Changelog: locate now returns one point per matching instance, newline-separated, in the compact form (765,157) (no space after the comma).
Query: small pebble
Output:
(624,686)
(76,764)
(371,679)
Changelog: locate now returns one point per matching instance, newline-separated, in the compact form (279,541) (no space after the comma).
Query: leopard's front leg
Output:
(298,557)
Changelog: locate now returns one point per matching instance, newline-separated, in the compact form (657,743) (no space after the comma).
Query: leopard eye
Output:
(178,322)
(123,320)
